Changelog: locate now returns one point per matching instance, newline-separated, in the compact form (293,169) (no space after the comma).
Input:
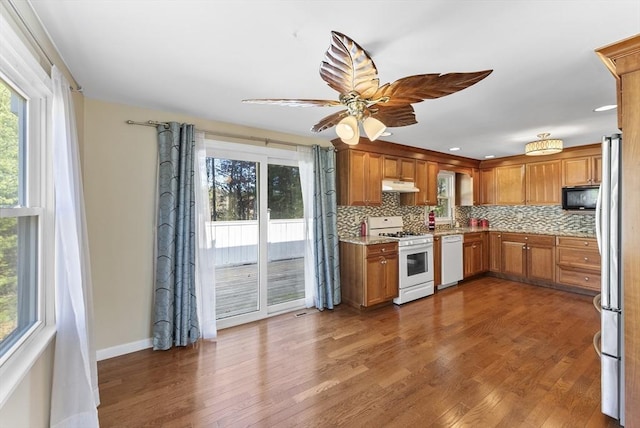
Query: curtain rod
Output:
(220,134)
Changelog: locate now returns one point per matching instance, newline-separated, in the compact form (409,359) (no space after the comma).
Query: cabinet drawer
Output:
(565,241)
(382,249)
(580,278)
(579,257)
(542,240)
(473,237)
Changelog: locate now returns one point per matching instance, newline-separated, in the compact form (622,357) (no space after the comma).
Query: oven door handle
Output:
(410,248)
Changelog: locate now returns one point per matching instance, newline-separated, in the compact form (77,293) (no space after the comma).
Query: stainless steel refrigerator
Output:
(610,347)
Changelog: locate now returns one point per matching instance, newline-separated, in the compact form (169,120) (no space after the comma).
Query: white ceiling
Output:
(202,58)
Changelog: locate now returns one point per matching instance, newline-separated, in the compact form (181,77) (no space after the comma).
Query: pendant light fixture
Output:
(543,146)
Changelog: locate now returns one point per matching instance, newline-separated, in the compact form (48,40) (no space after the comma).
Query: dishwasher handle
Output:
(452,238)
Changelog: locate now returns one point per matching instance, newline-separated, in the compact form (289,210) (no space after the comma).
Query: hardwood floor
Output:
(487,353)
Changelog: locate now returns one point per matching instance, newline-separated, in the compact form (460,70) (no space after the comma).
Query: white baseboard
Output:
(127,348)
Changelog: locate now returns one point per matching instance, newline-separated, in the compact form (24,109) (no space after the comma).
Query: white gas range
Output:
(415,259)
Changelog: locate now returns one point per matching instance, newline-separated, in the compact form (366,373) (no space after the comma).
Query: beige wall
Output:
(29,404)
(119,186)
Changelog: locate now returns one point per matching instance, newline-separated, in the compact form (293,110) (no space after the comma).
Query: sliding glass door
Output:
(258,229)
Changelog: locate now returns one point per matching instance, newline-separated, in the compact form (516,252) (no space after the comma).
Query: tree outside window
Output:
(446,197)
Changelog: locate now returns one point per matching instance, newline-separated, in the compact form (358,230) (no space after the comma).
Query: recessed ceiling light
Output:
(490,156)
(606,108)
(454,149)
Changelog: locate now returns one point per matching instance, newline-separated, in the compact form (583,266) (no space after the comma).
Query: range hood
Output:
(399,186)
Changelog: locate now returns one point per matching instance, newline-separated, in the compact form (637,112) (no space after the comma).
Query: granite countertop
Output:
(462,230)
(368,240)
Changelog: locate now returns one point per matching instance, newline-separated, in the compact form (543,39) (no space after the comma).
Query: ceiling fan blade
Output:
(347,67)
(414,89)
(394,116)
(294,102)
(329,121)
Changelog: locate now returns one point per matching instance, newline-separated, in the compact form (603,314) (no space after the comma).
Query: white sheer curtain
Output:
(305,164)
(74,394)
(205,270)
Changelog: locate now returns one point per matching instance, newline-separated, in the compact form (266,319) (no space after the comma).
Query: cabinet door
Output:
(541,261)
(514,258)
(475,176)
(407,169)
(510,185)
(437,260)
(391,277)
(596,170)
(472,256)
(397,168)
(495,251)
(543,183)
(576,171)
(390,170)
(373,182)
(359,178)
(426,179)
(375,290)
(487,179)
(352,168)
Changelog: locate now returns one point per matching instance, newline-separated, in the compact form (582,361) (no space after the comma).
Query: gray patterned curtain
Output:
(327,260)
(176,320)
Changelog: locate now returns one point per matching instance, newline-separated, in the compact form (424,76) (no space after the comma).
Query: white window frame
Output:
(22,72)
(450,176)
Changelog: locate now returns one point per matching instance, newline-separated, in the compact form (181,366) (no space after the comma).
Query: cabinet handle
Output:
(586,244)
(586,259)
(586,278)
(526,238)
(473,246)
(499,236)
(524,247)
(383,250)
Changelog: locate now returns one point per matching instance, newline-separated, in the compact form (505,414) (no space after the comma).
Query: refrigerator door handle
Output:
(599,220)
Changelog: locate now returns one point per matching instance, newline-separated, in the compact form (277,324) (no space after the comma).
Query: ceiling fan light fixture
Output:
(347,128)
(543,146)
(373,128)
(354,140)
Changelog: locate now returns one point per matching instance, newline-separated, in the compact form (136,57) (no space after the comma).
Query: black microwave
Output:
(582,198)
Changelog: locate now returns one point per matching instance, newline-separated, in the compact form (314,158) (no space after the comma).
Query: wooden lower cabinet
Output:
(437,261)
(495,251)
(474,254)
(578,262)
(368,273)
(529,256)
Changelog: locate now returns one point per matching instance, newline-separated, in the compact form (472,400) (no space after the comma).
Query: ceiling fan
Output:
(348,69)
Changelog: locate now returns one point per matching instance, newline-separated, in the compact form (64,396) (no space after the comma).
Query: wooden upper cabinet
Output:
(487,186)
(582,171)
(398,168)
(543,183)
(475,179)
(510,185)
(426,179)
(359,178)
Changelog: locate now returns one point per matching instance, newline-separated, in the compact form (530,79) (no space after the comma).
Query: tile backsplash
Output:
(543,218)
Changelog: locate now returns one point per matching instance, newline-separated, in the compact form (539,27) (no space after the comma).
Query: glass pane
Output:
(12,114)
(442,210)
(233,190)
(18,298)
(286,235)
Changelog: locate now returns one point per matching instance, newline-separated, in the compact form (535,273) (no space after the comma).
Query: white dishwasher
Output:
(451,266)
